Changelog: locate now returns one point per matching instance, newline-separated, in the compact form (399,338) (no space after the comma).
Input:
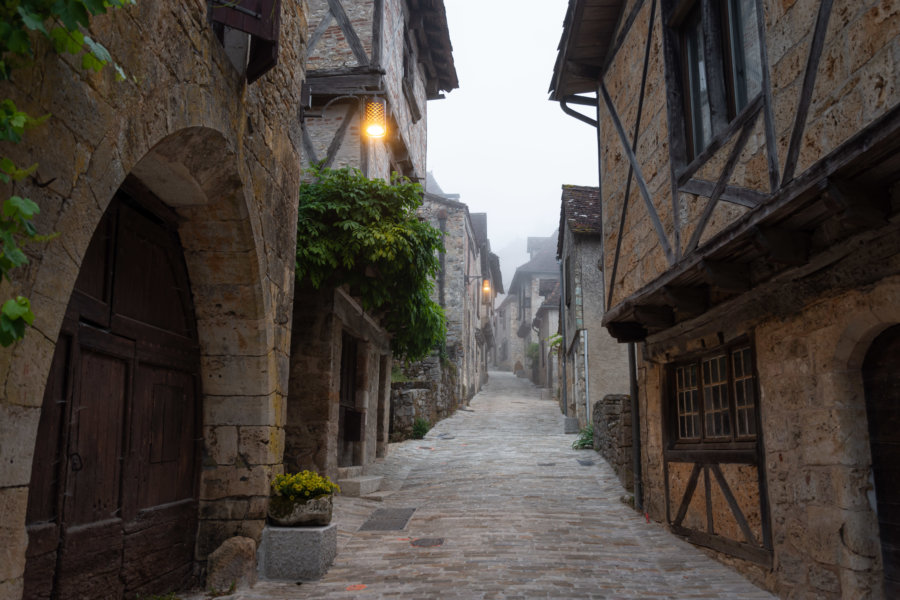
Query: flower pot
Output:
(298,513)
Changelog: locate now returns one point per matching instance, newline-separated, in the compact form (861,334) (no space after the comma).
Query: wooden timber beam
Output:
(654,317)
(726,276)
(858,207)
(627,331)
(782,245)
(687,301)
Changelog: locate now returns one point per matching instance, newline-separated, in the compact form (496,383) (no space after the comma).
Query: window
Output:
(722,65)
(715,397)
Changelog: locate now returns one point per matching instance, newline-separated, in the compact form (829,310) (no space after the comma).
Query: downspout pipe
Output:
(563,346)
(635,429)
(587,380)
(582,101)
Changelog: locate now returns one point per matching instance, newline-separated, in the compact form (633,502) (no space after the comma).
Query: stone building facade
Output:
(397,51)
(466,286)
(141,418)
(531,284)
(596,363)
(749,167)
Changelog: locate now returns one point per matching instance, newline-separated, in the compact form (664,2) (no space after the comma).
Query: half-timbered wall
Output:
(368,39)
(791,504)
(224,156)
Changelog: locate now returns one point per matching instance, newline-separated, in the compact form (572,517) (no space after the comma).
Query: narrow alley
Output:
(504,508)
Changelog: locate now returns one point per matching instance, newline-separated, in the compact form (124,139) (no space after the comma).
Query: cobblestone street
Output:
(520,515)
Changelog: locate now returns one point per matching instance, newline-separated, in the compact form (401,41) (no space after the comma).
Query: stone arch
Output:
(194,170)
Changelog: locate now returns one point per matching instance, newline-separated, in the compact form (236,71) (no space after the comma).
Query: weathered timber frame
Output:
(707,457)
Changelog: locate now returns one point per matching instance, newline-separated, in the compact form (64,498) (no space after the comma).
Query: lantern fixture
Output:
(486,287)
(375,124)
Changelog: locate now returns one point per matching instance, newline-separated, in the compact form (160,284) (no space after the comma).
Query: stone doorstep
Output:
(378,496)
(360,486)
(349,472)
(296,553)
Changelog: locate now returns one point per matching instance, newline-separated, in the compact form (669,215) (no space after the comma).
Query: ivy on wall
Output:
(365,234)
(22,24)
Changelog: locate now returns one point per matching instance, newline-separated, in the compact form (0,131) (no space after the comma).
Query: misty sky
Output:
(497,140)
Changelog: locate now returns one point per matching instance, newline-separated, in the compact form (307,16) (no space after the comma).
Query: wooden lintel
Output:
(855,207)
(726,276)
(782,245)
(627,331)
(654,317)
(687,300)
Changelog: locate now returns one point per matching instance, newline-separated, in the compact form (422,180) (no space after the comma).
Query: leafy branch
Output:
(21,22)
(364,233)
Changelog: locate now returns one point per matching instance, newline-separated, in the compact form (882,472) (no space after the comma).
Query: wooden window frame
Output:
(734,441)
(719,66)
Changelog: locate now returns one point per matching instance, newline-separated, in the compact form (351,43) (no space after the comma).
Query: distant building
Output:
(531,284)
(397,52)
(466,286)
(597,364)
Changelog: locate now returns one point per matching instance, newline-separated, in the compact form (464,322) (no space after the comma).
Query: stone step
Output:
(349,472)
(378,496)
(360,486)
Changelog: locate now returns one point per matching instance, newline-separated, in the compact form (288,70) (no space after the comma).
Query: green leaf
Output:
(18,42)
(96,7)
(89,62)
(18,308)
(31,20)
(98,50)
(72,13)
(16,206)
(66,41)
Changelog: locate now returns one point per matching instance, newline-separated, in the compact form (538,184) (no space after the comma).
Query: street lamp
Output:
(375,124)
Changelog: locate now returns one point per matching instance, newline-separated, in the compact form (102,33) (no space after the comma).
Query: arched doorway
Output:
(881,376)
(113,495)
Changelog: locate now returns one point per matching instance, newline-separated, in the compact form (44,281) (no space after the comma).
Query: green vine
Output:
(364,233)
(21,23)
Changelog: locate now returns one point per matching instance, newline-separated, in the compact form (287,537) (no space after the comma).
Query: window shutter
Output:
(259,18)
(263,56)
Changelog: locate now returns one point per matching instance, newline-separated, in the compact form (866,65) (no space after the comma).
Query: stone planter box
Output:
(296,553)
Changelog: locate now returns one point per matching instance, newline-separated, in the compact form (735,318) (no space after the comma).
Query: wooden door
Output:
(881,374)
(112,502)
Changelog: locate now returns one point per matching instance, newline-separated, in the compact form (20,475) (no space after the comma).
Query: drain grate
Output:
(427,542)
(546,464)
(388,519)
(585,462)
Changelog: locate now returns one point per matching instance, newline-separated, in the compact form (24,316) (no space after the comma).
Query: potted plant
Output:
(303,498)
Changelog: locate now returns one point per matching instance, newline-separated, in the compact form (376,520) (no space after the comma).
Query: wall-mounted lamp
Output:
(375,124)
(486,287)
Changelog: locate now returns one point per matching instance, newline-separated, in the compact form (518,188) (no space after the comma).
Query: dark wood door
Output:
(881,373)
(112,502)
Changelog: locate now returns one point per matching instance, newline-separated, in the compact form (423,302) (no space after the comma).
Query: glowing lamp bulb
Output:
(375,119)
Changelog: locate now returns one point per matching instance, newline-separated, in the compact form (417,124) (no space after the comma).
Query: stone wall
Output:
(226,157)
(611,417)
(429,393)
(312,429)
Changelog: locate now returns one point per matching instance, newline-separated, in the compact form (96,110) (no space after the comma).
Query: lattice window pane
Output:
(744,392)
(715,397)
(688,402)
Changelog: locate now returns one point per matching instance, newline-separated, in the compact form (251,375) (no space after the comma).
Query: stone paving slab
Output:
(518,517)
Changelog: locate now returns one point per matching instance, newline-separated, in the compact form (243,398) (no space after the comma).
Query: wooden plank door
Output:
(881,375)
(113,496)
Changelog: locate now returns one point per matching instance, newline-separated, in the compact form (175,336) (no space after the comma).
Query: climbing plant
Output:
(22,23)
(364,233)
